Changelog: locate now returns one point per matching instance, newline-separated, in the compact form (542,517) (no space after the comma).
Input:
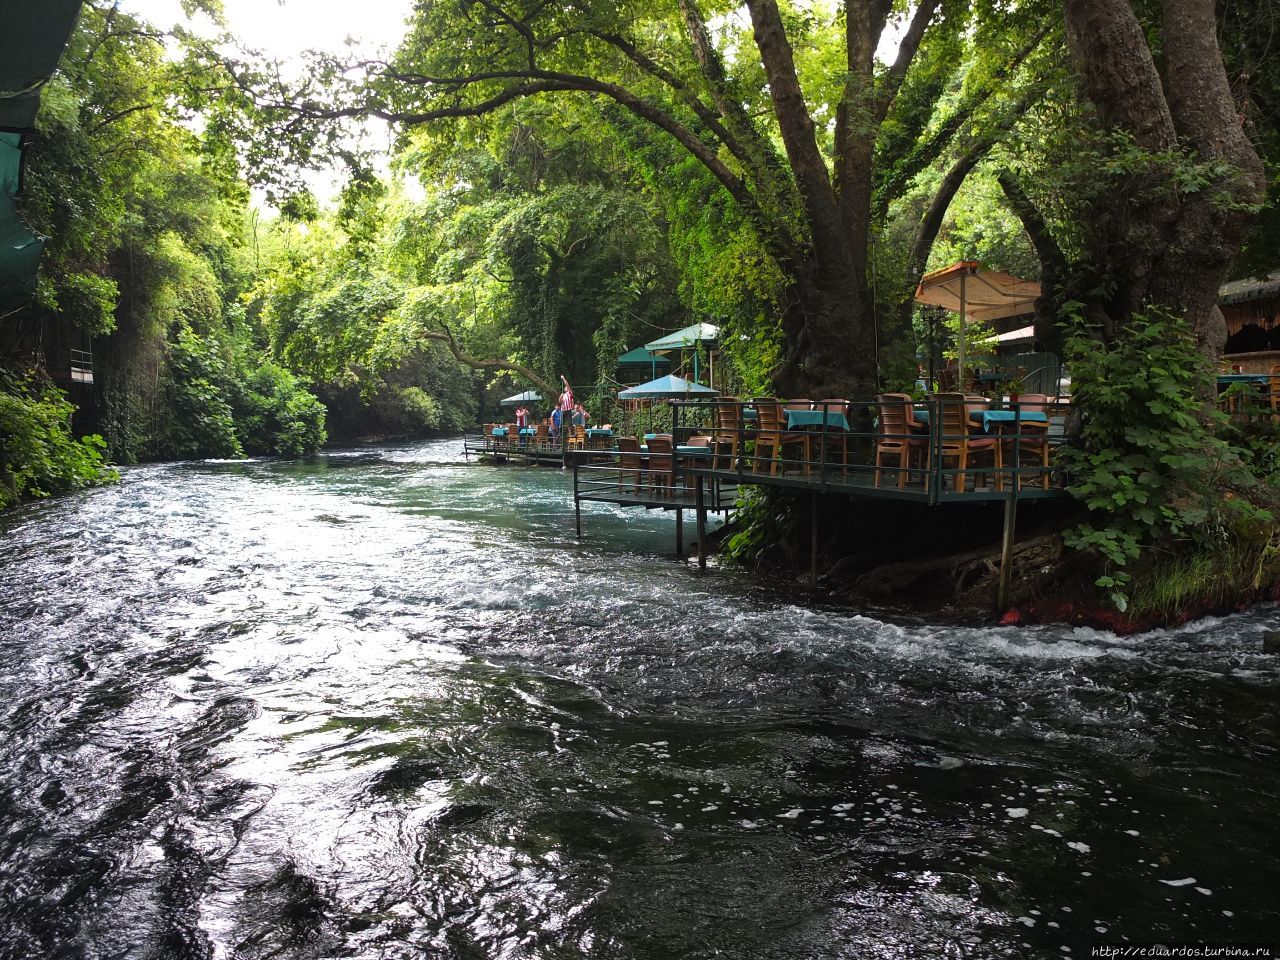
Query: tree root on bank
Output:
(965,582)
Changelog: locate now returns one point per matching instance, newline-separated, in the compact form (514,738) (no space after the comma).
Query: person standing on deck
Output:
(565,404)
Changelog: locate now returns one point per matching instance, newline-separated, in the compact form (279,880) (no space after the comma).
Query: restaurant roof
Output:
(1253,288)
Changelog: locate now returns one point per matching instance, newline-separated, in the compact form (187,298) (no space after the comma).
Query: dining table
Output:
(988,418)
(1227,379)
(797,419)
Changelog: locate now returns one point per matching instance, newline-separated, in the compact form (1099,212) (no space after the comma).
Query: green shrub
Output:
(408,410)
(201,422)
(39,456)
(276,416)
(1149,463)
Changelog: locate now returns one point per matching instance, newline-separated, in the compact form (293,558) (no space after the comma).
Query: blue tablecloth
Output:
(499,431)
(988,417)
(599,432)
(816,418)
(694,451)
(1226,379)
(528,431)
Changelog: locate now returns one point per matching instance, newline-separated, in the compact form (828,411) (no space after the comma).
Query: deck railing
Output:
(904,449)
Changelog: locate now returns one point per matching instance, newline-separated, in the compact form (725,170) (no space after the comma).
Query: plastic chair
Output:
(661,469)
(726,432)
(630,463)
(772,435)
(950,428)
(895,439)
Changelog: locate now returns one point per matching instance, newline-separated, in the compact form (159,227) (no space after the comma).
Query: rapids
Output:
(382,704)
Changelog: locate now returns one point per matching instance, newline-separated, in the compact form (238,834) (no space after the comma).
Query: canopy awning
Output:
(979,294)
(685,339)
(31,45)
(640,356)
(1014,336)
(529,396)
(668,387)
(976,294)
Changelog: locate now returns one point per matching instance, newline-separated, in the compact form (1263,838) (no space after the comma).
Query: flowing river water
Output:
(386,706)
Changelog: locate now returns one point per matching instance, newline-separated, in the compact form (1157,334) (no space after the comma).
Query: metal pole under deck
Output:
(1010,513)
(700,499)
(577,502)
(679,533)
(813,540)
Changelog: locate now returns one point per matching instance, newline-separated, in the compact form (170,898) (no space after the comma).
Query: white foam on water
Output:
(1016,812)
(1184,882)
(791,814)
(1079,847)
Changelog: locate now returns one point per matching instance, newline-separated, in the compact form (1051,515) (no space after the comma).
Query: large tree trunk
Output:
(1156,246)
(826,320)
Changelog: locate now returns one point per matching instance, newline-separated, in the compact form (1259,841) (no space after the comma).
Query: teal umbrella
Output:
(669,387)
(529,396)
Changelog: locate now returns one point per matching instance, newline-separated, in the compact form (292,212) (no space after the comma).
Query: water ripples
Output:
(382,705)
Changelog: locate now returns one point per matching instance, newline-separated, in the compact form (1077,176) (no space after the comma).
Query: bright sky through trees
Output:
(285,28)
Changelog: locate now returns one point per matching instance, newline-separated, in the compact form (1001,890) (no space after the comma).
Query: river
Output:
(384,705)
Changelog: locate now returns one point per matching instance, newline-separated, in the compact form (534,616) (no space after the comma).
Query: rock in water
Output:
(1271,641)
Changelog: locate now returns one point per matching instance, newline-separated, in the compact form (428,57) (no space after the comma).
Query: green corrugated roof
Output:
(31,43)
(640,355)
(684,339)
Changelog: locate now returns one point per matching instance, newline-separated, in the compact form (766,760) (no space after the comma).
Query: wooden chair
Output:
(726,432)
(1034,439)
(772,435)
(630,463)
(837,439)
(576,439)
(895,440)
(702,442)
(954,441)
(542,439)
(661,469)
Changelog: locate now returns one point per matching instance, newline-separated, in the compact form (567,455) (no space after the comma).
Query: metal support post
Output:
(700,499)
(577,502)
(813,540)
(1010,513)
(679,534)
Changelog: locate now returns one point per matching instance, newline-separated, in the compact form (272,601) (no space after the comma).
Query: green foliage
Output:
(274,414)
(39,456)
(1148,464)
(764,519)
(1245,562)
(202,423)
(226,402)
